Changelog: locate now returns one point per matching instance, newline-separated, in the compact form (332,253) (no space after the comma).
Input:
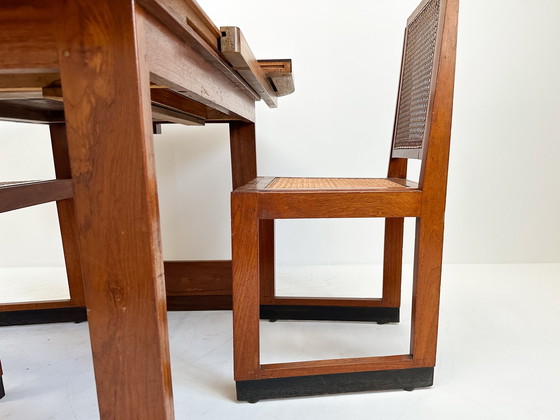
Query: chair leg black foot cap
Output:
(330,313)
(272,320)
(300,386)
(43,316)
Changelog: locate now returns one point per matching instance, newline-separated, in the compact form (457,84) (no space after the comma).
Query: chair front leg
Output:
(246,295)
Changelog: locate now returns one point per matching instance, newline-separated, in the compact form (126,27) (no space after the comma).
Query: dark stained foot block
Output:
(301,386)
(43,316)
(330,313)
(2,392)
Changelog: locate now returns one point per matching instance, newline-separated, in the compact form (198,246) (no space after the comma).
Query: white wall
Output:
(502,202)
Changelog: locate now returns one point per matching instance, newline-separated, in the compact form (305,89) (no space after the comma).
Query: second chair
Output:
(422,131)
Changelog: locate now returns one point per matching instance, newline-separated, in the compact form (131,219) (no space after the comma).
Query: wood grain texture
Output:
(18,196)
(330,366)
(393,243)
(237,51)
(200,22)
(328,301)
(246,295)
(190,286)
(164,114)
(46,304)
(266,262)
(244,170)
(197,278)
(242,140)
(22,93)
(28,81)
(279,72)
(23,111)
(180,66)
(177,25)
(392,261)
(325,204)
(52,92)
(67,217)
(107,103)
(27,41)
(179,102)
(42,105)
(433,181)
(183,16)
(198,285)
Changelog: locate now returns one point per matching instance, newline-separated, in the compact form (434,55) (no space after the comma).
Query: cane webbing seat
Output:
(333,183)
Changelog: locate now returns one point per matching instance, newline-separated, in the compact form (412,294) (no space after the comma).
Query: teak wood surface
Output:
(255,203)
(100,73)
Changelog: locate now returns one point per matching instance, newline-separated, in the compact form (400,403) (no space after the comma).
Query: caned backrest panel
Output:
(417,80)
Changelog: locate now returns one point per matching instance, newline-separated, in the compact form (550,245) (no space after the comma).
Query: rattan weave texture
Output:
(331,183)
(417,77)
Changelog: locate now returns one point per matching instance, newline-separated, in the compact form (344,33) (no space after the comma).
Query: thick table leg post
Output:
(244,169)
(106,90)
(426,290)
(67,217)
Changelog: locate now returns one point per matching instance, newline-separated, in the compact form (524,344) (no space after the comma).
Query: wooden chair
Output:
(20,194)
(422,131)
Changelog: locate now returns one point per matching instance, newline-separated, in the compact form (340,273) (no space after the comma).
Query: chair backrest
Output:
(424,105)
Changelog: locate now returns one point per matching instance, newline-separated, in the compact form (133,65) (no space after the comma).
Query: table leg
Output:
(107,105)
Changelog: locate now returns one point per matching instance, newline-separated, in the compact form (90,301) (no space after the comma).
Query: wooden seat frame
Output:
(254,208)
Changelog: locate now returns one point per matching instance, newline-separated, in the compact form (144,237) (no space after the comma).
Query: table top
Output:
(199,73)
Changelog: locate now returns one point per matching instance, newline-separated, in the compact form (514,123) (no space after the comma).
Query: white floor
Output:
(497,356)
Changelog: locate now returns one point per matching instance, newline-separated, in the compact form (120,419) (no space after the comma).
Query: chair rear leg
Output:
(392,262)
(426,290)
(266,258)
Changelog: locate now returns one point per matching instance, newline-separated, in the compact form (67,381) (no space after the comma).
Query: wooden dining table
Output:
(105,76)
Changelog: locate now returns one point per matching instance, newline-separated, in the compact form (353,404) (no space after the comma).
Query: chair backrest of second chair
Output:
(422,47)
